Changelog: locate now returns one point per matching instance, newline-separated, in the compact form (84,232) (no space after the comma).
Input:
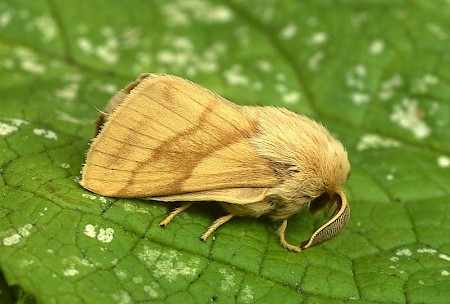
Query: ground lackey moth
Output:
(167,139)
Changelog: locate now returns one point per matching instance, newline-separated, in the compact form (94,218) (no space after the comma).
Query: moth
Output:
(167,139)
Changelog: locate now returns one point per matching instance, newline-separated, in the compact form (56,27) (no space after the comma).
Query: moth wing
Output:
(167,137)
(235,196)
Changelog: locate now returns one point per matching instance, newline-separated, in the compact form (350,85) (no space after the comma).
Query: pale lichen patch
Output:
(128,207)
(11,240)
(184,56)
(68,92)
(247,294)
(376,47)
(149,256)
(6,129)
(228,281)
(5,18)
(264,65)
(151,289)
(403,252)
(408,116)
(359,98)
(389,86)
(356,80)
(427,250)
(89,230)
(70,272)
(318,38)
(11,125)
(289,31)
(393,259)
(121,274)
(235,76)
(105,235)
(444,257)
(423,84)
(49,134)
(46,26)
(122,297)
(443,161)
(373,141)
(15,238)
(69,118)
(29,62)
(64,165)
(315,59)
(168,264)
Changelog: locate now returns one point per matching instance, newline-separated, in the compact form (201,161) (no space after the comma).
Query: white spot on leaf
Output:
(128,207)
(247,294)
(182,12)
(289,31)
(70,272)
(65,165)
(445,273)
(264,65)
(6,129)
(11,240)
(151,289)
(376,47)
(422,84)
(444,257)
(122,297)
(28,61)
(373,141)
(318,38)
(228,280)
(388,87)
(315,59)
(427,250)
(404,252)
(291,97)
(408,116)
(394,259)
(359,98)
(49,134)
(168,264)
(69,92)
(105,235)
(5,18)
(89,230)
(46,26)
(443,161)
(234,76)
(89,196)
(15,238)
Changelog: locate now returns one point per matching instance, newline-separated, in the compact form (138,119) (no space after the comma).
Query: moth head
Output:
(319,176)
(323,186)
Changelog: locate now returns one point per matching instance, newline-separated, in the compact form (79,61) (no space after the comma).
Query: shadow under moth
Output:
(167,139)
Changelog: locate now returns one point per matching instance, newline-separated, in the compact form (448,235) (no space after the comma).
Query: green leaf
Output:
(376,73)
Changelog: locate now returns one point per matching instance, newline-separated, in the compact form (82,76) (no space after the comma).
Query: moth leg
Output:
(178,210)
(283,241)
(216,224)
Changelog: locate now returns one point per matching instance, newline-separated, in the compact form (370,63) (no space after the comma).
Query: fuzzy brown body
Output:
(165,138)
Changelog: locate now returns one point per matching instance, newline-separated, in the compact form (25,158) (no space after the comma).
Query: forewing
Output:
(168,137)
